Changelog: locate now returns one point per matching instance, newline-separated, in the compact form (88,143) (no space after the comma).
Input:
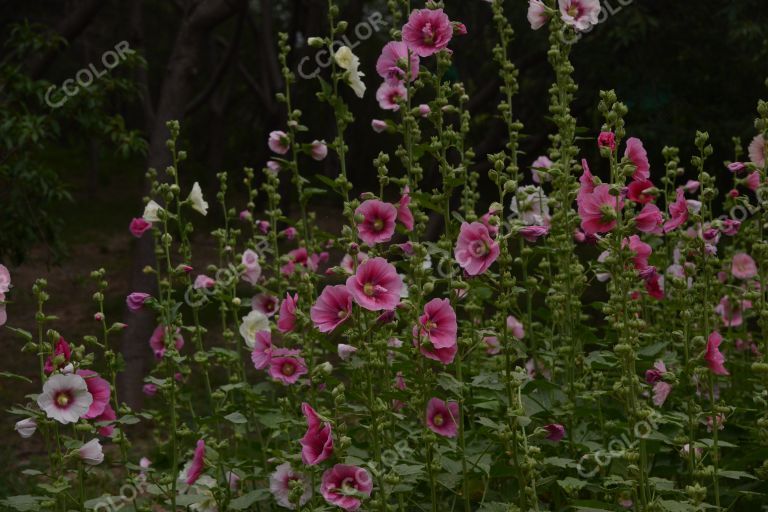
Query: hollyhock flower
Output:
(730,227)
(732,313)
(534,368)
(424,110)
(752,182)
(378,224)
(438,324)
(607,140)
(263,226)
(273,166)
(580,14)
(555,431)
(319,150)
(443,355)
(693,205)
(287,365)
(265,303)
(91,453)
(392,63)
(586,182)
(493,345)
(286,321)
(538,166)
(637,191)
(743,266)
(157,341)
(757,151)
(515,327)
(106,418)
(99,389)
(389,94)
(349,62)
(442,417)
(533,233)
(345,351)
(404,215)
(641,251)
(317,443)
(537,14)
(599,209)
(280,486)
(347,263)
(686,450)
(262,350)
(530,204)
(720,422)
(152,211)
(5,279)
(254,322)
(65,398)
(713,356)
(203,282)
(636,154)
(427,31)
(678,212)
(196,200)
(279,142)
(3,314)
(333,307)
(654,375)
(61,351)
(289,233)
(736,167)
(245,215)
(149,389)
(301,258)
(135,301)
(252,272)
(376,285)
(650,219)
(26,427)
(654,284)
(661,391)
(691,186)
(378,125)
(475,250)
(197,464)
(344,486)
(139,226)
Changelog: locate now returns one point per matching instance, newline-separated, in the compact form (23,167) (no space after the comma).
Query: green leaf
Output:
(735,475)
(246,500)
(9,375)
(572,484)
(236,417)
(23,503)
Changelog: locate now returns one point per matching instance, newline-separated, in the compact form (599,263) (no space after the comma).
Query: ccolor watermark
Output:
(609,8)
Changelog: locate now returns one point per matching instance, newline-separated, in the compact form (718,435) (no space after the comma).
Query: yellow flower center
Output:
(368,289)
(289,369)
(62,399)
(378,224)
(438,420)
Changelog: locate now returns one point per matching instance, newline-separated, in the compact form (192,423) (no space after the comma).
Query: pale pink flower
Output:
(752,181)
(203,281)
(345,351)
(317,443)
(265,303)
(493,345)
(278,142)
(344,486)
(540,165)
(3,313)
(732,313)
(319,150)
(333,307)
(424,110)
(713,356)
(661,391)
(135,301)
(650,219)
(376,285)
(437,324)
(378,125)
(252,272)
(262,350)
(378,224)
(743,266)
(678,212)
(389,94)
(475,250)
(91,453)
(691,186)
(280,485)
(286,321)
(757,150)
(348,264)
(99,389)
(65,398)
(26,427)
(442,417)
(404,215)
(286,365)
(273,166)
(730,227)
(636,153)
(555,431)
(139,226)
(537,14)
(427,31)
(599,209)
(580,14)
(516,327)
(393,62)
(149,389)
(157,341)
(533,233)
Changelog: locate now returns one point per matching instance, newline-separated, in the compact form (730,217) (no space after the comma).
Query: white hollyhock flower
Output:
(254,322)
(252,271)
(532,207)
(65,398)
(26,428)
(351,63)
(196,199)
(580,14)
(91,452)
(150,212)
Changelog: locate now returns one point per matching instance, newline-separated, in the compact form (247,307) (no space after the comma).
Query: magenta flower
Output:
(752,181)
(607,140)
(139,226)
(636,154)
(149,389)
(649,219)
(157,341)
(317,443)
(475,249)
(586,182)
(713,356)
(286,321)
(61,348)
(108,415)
(290,232)
(730,227)
(99,389)
(197,464)
(678,212)
(344,486)
(393,62)
(333,307)
(265,303)
(556,432)
(638,191)
(427,31)
(280,485)
(286,365)
(135,301)
(376,285)
(598,210)
(653,375)
(442,417)
(404,215)
(278,142)
(640,250)
(757,151)
(743,266)
(262,350)
(378,224)
(443,355)
(580,14)
(389,94)
(438,324)
(65,398)
(537,14)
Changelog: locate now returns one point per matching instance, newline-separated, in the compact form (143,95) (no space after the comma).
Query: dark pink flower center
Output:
(62,399)
(478,248)
(369,289)
(575,10)
(428,33)
(288,369)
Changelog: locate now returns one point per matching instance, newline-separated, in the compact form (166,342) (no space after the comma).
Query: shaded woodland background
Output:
(71,178)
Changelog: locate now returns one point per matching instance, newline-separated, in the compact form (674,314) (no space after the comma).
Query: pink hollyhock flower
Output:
(443,355)
(719,422)
(389,94)
(492,344)
(730,227)
(556,431)
(265,303)
(203,281)
(263,226)
(157,341)
(108,415)
(691,186)
(344,486)
(438,324)
(607,140)
(347,263)
(319,150)
(400,382)
(91,453)
(61,348)
(290,233)
(149,389)
(333,307)
(278,142)
(345,351)
(442,417)
(713,356)
(752,182)
(392,63)
(427,31)
(245,215)
(636,154)
(459,29)
(198,463)
(378,125)
(736,167)
(252,272)
(99,389)
(3,314)
(135,301)
(637,191)
(26,427)
(661,391)
(533,233)
(732,313)
(424,110)
(654,284)
(538,166)
(378,223)
(139,226)
(678,212)
(650,219)
(757,151)
(516,327)
(537,14)
(273,166)
(586,182)
(287,365)
(376,285)
(262,350)
(534,369)
(280,486)
(317,443)
(404,215)
(65,398)
(580,14)
(598,210)
(475,250)
(286,321)
(654,375)
(743,266)
(641,251)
